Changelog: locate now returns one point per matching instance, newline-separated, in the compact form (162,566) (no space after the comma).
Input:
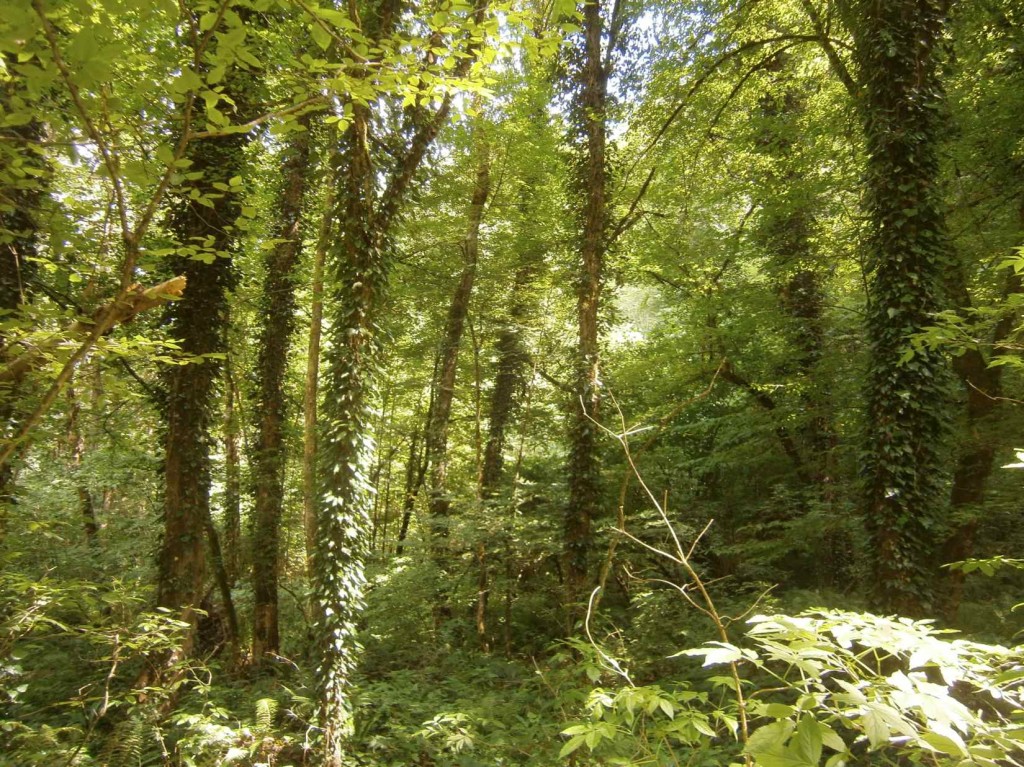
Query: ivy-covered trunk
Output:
(269,458)
(357,269)
(898,45)
(509,379)
(357,277)
(23,178)
(584,465)
(199,321)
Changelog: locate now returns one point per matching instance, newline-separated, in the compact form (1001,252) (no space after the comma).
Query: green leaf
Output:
(207,20)
(320,36)
(164,154)
(875,728)
(778,710)
(807,741)
(571,745)
(188,80)
(943,744)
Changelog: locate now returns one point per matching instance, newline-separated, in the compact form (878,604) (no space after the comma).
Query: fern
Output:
(124,749)
(266,710)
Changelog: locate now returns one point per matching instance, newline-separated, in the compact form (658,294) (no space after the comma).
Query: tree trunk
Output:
(415,474)
(232,479)
(199,322)
(584,466)
(509,380)
(223,580)
(444,386)
(897,49)
(359,266)
(20,200)
(269,458)
(76,449)
(983,386)
(357,281)
(310,390)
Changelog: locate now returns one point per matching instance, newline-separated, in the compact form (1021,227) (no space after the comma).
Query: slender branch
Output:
(835,60)
(554,381)
(681,557)
(109,155)
(628,220)
(426,132)
(624,487)
(123,308)
(257,121)
(614,30)
(704,77)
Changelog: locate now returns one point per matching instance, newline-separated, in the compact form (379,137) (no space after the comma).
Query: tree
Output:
(436,440)
(278,312)
(203,219)
(358,265)
(584,468)
(898,48)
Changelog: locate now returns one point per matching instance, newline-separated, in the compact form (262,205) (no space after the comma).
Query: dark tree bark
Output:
(897,49)
(270,456)
(21,195)
(223,581)
(983,387)
(199,322)
(584,467)
(415,475)
(510,377)
(232,479)
(444,385)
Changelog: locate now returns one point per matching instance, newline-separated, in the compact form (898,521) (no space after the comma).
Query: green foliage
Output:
(823,685)
(777,290)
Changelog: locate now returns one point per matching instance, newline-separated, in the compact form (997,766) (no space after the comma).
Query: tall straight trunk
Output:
(415,474)
(584,466)
(199,322)
(444,386)
(983,386)
(311,387)
(509,380)
(785,231)
(76,449)
(897,46)
(358,267)
(232,478)
(223,581)
(20,198)
(509,385)
(269,457)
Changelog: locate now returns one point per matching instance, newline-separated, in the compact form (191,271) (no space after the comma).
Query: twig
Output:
(612,663)
(681,557)
(624,487)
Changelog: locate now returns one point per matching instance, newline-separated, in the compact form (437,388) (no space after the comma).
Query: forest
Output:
(478,383)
